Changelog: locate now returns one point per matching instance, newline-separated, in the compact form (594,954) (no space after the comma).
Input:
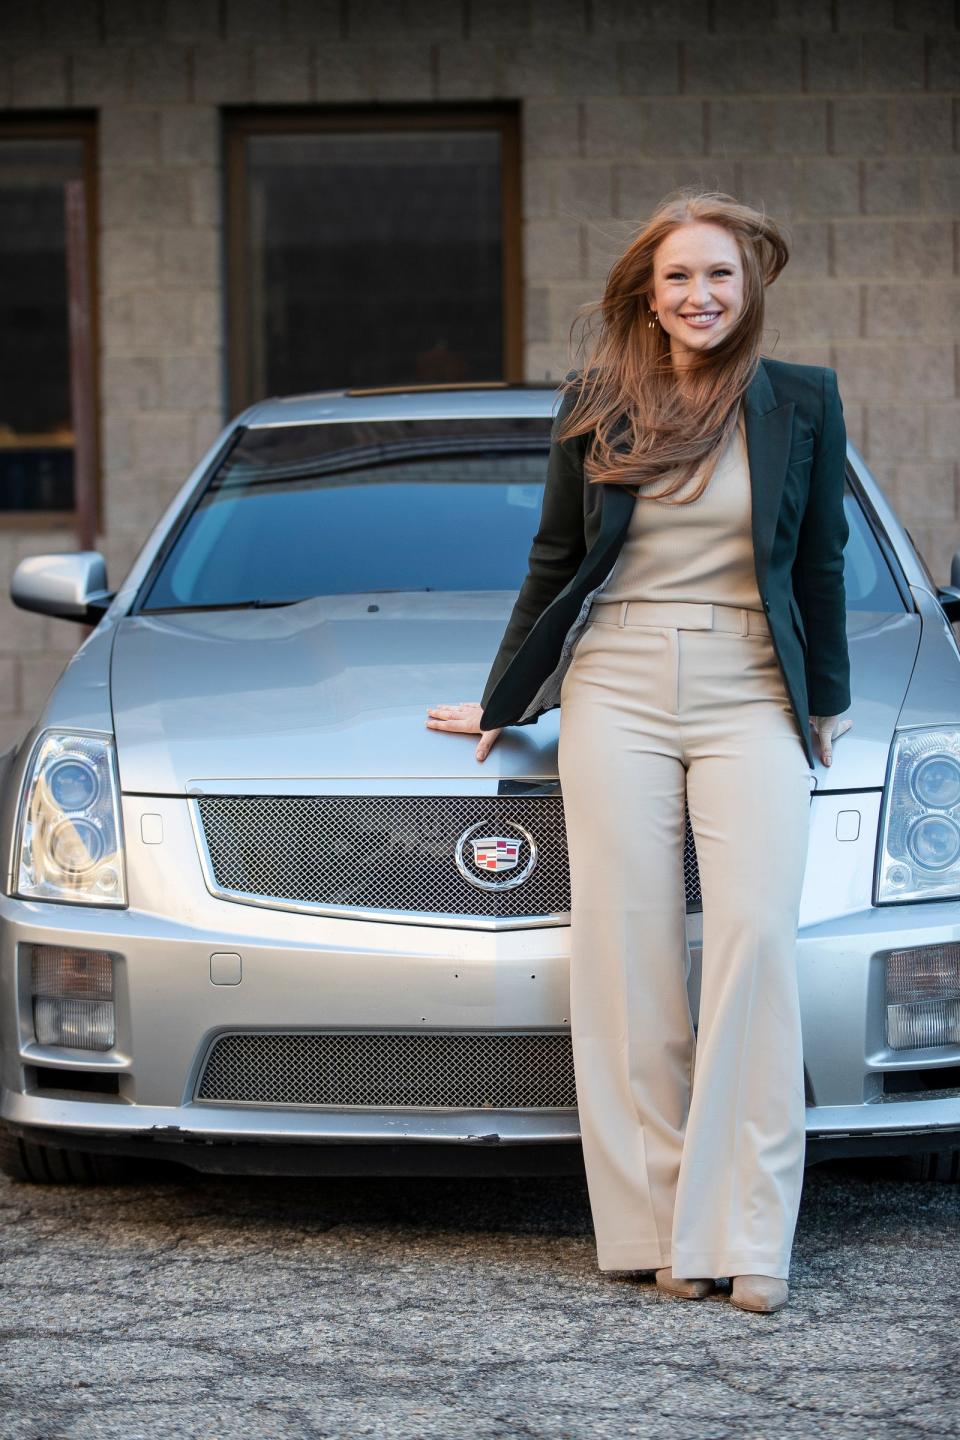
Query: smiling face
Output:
(697,286)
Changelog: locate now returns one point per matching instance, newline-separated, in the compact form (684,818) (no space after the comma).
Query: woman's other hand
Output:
(464,718)
(829,728)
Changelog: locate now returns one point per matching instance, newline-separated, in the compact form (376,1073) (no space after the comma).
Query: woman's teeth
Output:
(707,318)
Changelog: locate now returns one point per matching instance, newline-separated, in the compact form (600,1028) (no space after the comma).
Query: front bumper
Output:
(316,972)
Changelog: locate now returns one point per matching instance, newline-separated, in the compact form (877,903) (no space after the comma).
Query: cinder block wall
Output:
(841,116)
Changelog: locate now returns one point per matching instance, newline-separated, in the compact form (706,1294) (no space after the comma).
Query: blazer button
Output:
(766,604)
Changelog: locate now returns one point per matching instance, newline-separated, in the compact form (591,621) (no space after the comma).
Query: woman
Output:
(685,607)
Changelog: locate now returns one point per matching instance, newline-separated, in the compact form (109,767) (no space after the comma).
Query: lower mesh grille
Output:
(473,1070)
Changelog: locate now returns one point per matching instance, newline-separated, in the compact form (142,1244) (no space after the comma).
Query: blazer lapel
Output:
(769,428)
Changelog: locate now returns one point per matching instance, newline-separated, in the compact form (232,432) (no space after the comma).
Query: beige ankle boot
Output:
(762,1293)
(686,1289)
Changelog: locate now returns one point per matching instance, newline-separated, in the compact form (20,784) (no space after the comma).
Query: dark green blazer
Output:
(796,446)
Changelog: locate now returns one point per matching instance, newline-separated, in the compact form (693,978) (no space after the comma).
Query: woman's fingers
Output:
(464,719)
(487,743)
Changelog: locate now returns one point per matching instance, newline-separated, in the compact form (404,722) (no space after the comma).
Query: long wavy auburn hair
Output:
(646,427)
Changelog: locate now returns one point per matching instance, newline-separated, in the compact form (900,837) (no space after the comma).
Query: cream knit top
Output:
(702,551)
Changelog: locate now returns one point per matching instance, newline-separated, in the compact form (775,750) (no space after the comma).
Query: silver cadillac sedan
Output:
(258,917)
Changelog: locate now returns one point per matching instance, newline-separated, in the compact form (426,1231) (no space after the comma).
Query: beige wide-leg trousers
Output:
(693,1144)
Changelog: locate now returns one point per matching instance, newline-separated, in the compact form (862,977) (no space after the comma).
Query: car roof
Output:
(495,399)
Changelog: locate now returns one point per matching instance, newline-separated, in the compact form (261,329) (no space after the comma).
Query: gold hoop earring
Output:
(653,320)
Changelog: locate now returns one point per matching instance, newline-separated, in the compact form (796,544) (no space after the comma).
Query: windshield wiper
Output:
(225,605)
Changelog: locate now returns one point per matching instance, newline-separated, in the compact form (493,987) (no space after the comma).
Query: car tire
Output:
(30,1163)
(939,1167)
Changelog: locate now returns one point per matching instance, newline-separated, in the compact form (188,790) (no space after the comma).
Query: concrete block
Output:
(162,322)
(833,63)
(922,124)
(926,491)
(587,68)
(315,19)
(774,184)
(67,22)
(742,17)
(892,61)
(130,384)
(130,260)
(497,19)
(639,189)
(99,77)
(343,72)
(465,70)
(222,74)
(132,21)
(892,186)
(536,314)
(165,448)
(546,362)
(564,18)
(830,186)
(941,310)
(190,136)
(206,195)
(943,432)
(160,74)
(929,17)
(891,310)
(281,73)
(534,71)
(739,127)
(772,64)
(38,77)
(207,425)
(799,127)
(605,245)
(712,69)
(538,188)
(923,248)
(860,126)
(802,16)
(896,432)
(191,20)
(908,370)
(116,325)
(129,137)
(206,318)
(862,14)
(620,18)
(815,311)
(191,382)
(250,19)
(143,198)
(553,249)
(809,242)
(583,191)
(650,66)
(190,257)
(9,675)
(664,128)
(552,128)
(117,448)
(943,64)
(943,184)
(402,72)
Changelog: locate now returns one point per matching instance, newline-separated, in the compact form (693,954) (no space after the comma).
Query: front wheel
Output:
(31,1163)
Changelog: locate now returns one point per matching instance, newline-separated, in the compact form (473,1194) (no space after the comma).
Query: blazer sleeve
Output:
(818,569)
(558,546)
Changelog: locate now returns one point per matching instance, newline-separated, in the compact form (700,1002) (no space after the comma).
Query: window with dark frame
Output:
(372,249)
(47,370)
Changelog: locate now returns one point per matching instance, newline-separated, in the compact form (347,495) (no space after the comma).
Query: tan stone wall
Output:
(841,116)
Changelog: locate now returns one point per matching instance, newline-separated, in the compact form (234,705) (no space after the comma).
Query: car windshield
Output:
(345,508)
(339,509)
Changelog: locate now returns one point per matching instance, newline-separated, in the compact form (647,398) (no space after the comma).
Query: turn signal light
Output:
(72,993)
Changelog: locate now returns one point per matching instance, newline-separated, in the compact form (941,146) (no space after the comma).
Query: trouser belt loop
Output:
(624,605)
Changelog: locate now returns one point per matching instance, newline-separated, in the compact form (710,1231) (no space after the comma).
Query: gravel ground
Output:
(449,1308)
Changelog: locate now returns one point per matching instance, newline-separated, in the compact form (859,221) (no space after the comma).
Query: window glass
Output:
(36,436)
(360,507)
(371,257)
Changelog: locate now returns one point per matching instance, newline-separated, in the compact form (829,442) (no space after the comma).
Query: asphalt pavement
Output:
(459,1308)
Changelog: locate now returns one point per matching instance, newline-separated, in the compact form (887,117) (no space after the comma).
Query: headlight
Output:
(69,840)
(919,854)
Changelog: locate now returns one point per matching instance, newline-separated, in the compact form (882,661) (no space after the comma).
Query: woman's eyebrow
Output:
(681,265)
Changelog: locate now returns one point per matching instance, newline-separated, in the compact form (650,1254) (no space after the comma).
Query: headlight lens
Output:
(70,843)
(919,855)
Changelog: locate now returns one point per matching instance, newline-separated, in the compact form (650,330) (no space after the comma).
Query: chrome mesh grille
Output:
(473,1070)
(391,852)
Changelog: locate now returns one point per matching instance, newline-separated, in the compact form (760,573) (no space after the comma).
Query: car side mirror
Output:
(71,585)
(949,595)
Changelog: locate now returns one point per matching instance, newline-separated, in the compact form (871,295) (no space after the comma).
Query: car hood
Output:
(337,688)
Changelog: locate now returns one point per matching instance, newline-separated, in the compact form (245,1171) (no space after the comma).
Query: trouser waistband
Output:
(683,615)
